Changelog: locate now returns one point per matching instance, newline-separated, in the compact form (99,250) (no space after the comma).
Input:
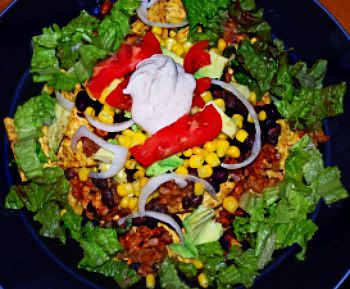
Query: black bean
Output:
(273,134)
(214,183)
(82,101)
(130,175)
(108,198)
(100,183)
(220,175)
(96,105)
(186,203)
(70,173)
(120,117)
(154,205)
(196,201)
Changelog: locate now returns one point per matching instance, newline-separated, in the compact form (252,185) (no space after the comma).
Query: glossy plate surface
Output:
(31,262)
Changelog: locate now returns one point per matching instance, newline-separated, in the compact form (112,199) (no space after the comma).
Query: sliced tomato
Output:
(186,132)
(118,99)
(202,84)
(197,57)
(122,63)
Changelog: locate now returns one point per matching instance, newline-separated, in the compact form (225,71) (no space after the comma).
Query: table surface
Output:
(339,8)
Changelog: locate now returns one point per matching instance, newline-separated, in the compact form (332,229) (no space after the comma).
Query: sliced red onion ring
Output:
(120,153)
(155,182)
(164,218)
(109,127)
(142,13)
(64,102)
(257,143)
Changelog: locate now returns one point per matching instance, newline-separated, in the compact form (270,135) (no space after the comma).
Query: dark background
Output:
(30,262)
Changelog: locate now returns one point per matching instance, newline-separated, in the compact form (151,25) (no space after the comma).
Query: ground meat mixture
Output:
(262,173)
(97,197)
(145,248)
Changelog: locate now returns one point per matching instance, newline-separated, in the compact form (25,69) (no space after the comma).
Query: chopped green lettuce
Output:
(66,56)
(33,114)
(210,15)
(163,166)
(169,278)
(280,218)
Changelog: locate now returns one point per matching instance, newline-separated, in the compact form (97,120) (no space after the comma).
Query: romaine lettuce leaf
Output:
(168,276)
(163,166)
(210,15)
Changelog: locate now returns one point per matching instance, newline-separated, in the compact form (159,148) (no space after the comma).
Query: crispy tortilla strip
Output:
(286,139)
(66,157)
(225,189)
(11,133)
(169,11)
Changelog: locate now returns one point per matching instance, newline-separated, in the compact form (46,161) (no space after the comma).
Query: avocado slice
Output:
(229,126)
(213,70)
(175,57)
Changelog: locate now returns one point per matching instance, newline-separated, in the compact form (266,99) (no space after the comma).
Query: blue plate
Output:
(31,262)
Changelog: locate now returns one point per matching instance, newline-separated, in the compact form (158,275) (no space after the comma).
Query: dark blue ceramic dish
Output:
(30,262)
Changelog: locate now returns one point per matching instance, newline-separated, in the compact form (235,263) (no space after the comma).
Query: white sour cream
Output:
(161,93)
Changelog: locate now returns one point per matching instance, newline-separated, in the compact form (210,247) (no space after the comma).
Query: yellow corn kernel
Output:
(157,30)
(172,33)
(262,115)
(222,44)
(252,97)
(124,189)
(186,163)
(220,103)
(138,138)
(62,212)
(169,43)
(124,203)
(187,45)
(241,135)
(106,117)
(90,111)
(130,164)
(199,29)
(205,171)
(230,204)
(124,141)
(198,189)
(215,50)
(187,153)
(83,174)
(233,152)
(197,150)
(222,136)
(181,170)
(250,119)
(212,159)
(239,122)
(150,281)
(222,147)
(132,204)
(136,187)
(210,146)
(253,40)
(266,98)
(198,264)
(128,132)
(196,161)
(178,49)
(203,280)
(238,116)
(207,96)
(143,181)
(139,175)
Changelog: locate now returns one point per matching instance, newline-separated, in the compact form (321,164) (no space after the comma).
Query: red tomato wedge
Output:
(197,57)
(122,63)
(202,84)
(118,99)
(188,131)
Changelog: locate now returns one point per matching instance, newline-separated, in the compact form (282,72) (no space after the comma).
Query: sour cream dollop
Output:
(161,93)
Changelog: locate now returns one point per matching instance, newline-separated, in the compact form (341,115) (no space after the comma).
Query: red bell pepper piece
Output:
(188,131)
